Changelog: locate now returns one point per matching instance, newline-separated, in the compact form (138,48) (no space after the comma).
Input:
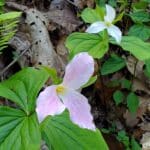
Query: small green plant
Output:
(129,142)
(20,127)
(8,23)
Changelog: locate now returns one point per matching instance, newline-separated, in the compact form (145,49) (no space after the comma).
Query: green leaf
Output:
(18,131)
(8,23)
(113,3)
(23,87)
(90,82)
(113,64)
(140,16)
(140,5)
(140,30)
(147,69)
(94,44)
(53,74)
(148,1)
(61,134)
(9,15)
(118,97)
(126,84)
(132,102)
(135,145)
(122,137)
(119,17)
(90,15)
(135,46)
(2,3)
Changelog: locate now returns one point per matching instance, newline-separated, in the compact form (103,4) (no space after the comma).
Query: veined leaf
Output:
(89,15)
(8,23)
(141,31)
(94,44)
(113,64)
(61,134)
(9,15)
(23,87)
(132,102)
(140,16)
(18,131)
(134,45)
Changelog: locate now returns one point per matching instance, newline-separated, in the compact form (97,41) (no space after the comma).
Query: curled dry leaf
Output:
(61,49)
(136,68)
(82,3)
(61,14)
(139,86)
(145,141)
(131,119)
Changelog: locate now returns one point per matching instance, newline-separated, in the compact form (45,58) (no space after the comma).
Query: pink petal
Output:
(115,32)
(110,14)
(78,71)
(48,103)
(79,109)
(96,27)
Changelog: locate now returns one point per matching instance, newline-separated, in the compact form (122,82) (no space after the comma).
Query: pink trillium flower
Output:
(113,30)
(55,98)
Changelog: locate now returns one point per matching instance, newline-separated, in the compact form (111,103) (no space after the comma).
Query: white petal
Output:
(115,32)
(96,27)
(79,109)
(48,103)
(78,71)
(110,14)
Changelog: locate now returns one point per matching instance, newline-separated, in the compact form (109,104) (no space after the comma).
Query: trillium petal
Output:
(115,32)
(79,109)
(48,103)
(110,14)
(96,27)
(78,71)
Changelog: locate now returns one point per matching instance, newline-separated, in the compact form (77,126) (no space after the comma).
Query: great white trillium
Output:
(107,24)
(55,98)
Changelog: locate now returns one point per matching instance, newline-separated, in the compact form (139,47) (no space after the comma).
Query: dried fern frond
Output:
(8,23)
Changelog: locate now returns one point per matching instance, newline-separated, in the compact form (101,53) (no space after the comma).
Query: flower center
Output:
(108,24)
(60,89)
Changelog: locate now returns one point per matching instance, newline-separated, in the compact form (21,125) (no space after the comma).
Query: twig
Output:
(69,1)
(133,77)
(16,6)
(13,62)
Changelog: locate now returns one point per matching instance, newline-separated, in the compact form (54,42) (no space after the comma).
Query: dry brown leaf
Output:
(139,85)
(61,14)
(83,3)
(136,68)
(131,119)
(61,49)
(145,141)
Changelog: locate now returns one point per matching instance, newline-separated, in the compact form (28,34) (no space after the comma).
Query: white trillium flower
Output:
(113,30)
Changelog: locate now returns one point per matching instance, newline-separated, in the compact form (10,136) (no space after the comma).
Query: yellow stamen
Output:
(108,24)
(60,89)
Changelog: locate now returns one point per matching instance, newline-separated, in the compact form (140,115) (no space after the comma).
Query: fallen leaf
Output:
(61,14)
(145,141)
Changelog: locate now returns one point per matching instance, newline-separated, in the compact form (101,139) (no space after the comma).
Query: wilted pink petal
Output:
(48,103)
(78,71)
(110,14)
(79,109)
(96,27)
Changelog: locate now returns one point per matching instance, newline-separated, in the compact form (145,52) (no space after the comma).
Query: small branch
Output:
(16,6)
(13,62)
(133,77)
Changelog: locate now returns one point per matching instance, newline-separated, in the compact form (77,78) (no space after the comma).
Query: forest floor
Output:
(61,18)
